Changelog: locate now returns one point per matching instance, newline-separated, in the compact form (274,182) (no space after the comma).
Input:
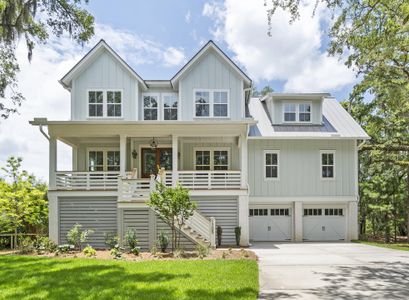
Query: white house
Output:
(283,168)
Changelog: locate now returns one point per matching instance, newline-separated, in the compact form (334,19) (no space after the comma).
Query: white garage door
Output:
(324,224)
(270,224)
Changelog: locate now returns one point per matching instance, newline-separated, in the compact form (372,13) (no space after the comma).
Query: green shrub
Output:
(5,243)
(130,238)
(154,250)
(136,251)
(26,245)
(237,233)
(116,252)
(65,248)
(219,235)
(89,251)
(111,240)
(76,236)
(202,250)
(163,241)
(44,244)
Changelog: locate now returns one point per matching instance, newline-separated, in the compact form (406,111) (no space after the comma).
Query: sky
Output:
(157,38)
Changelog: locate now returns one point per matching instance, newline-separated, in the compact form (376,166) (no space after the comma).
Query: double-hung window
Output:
(105,104)
(170,106)
(211,103)
(150,107)
(271,164)
(103,160)
(327,164)
(211,159)
(297,112)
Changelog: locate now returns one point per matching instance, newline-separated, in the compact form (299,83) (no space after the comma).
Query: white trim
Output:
(104,151)
(297,112)
(212,149)
(333,152)
(309,199)
(104,103)
(278,165)
(158,110)
(211,103)
(162,106)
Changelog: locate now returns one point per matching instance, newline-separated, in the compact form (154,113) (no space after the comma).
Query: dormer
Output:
(294,108)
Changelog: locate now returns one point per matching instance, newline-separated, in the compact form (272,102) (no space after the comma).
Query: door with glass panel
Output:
(154,159)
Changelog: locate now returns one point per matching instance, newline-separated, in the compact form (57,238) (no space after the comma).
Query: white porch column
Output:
(244,219)
(175,158)
(53,163)
(53,217)
(352,218)
(243,161)
(298,230)
(75,158)
(122,155)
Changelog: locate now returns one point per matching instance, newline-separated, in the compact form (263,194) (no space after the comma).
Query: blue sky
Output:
(156,38)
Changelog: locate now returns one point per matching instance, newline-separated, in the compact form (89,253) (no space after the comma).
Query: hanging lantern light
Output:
(153,144)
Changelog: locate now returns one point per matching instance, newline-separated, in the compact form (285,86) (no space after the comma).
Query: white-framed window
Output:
(107,159)
(170,106)
(297,112)
(104,103)
(150,106)
(334,212)
(327,161)
(211,103)
(271,164)
(217,159)
(279,212)
(258,212)
(312,212)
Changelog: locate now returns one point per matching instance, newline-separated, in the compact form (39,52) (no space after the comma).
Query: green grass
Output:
(398,246)
(27,277)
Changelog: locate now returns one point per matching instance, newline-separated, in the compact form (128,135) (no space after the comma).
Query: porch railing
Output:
(196,180)
(134,188)
(72,180)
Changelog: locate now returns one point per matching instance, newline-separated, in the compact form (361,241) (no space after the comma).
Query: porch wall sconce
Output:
(134,154)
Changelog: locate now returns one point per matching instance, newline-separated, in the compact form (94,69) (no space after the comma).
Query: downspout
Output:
(43,132)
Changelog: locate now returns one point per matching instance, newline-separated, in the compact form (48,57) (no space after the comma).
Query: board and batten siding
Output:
(211,72)
(225,210)
(105,72)
(299,168)
(96,213)
(276,110)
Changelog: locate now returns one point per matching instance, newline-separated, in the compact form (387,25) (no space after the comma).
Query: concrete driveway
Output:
(331,271)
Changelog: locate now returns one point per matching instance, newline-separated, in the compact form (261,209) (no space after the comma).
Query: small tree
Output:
(76,236)
(174,206)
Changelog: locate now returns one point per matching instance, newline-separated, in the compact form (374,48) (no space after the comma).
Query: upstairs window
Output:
(211,103)
(271,164)
(297,113)
(96,103)
(220,159)
(211,159)
(202,161)
(327,164)
(170,107)
(95,160)
(105,104)
(103,160)
(150,107)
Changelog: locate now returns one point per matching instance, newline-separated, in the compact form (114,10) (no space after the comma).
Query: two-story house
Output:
(283,168)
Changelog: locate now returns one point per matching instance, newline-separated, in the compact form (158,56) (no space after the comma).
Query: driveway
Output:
(331,271)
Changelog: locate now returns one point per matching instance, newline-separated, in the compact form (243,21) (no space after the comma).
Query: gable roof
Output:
(209,45)
(337,124)
(93,53)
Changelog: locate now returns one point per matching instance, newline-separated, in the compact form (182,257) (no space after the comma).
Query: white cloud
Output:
(38,82)
(188,17)
(292,54)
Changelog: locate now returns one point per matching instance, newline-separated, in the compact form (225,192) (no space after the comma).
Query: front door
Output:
(152,159)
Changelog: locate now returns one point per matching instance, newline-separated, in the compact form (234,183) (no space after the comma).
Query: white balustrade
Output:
(70,180)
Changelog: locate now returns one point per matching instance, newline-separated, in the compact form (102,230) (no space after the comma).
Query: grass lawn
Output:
(398,246)
(28,277)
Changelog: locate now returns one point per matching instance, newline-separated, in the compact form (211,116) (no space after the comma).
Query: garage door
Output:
(270,224)
(96,213)
(324,224)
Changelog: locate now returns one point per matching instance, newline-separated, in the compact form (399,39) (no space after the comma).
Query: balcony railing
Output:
(70,180)
(220,180)
(134,188)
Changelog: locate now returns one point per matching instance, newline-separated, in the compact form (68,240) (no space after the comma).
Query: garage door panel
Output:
(270,223)
(323,226)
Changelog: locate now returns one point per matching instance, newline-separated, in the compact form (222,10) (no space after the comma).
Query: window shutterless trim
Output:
(105,103)
(333,152)
(104,151)
(265,165)
(297,112)
(211,103)
(162,106)
(212,150)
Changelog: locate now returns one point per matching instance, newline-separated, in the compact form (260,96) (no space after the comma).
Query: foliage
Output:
(116,252)
(131,239)
(4,243)
(26,277)
(163,241)
(237,234)
(372,36)
(77,237)
(179,252)
(174,206)
(65,248)
(202,250)
(397,246)
(23,200)
(219,235)
(26,245)
(35,21)
(135,251)
(264,91)
(154,250)
(111,239)
(44,244)
(89,251)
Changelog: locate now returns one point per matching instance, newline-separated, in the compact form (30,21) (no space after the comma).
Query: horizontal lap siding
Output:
(138,220)
(96,213)
(225,211)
